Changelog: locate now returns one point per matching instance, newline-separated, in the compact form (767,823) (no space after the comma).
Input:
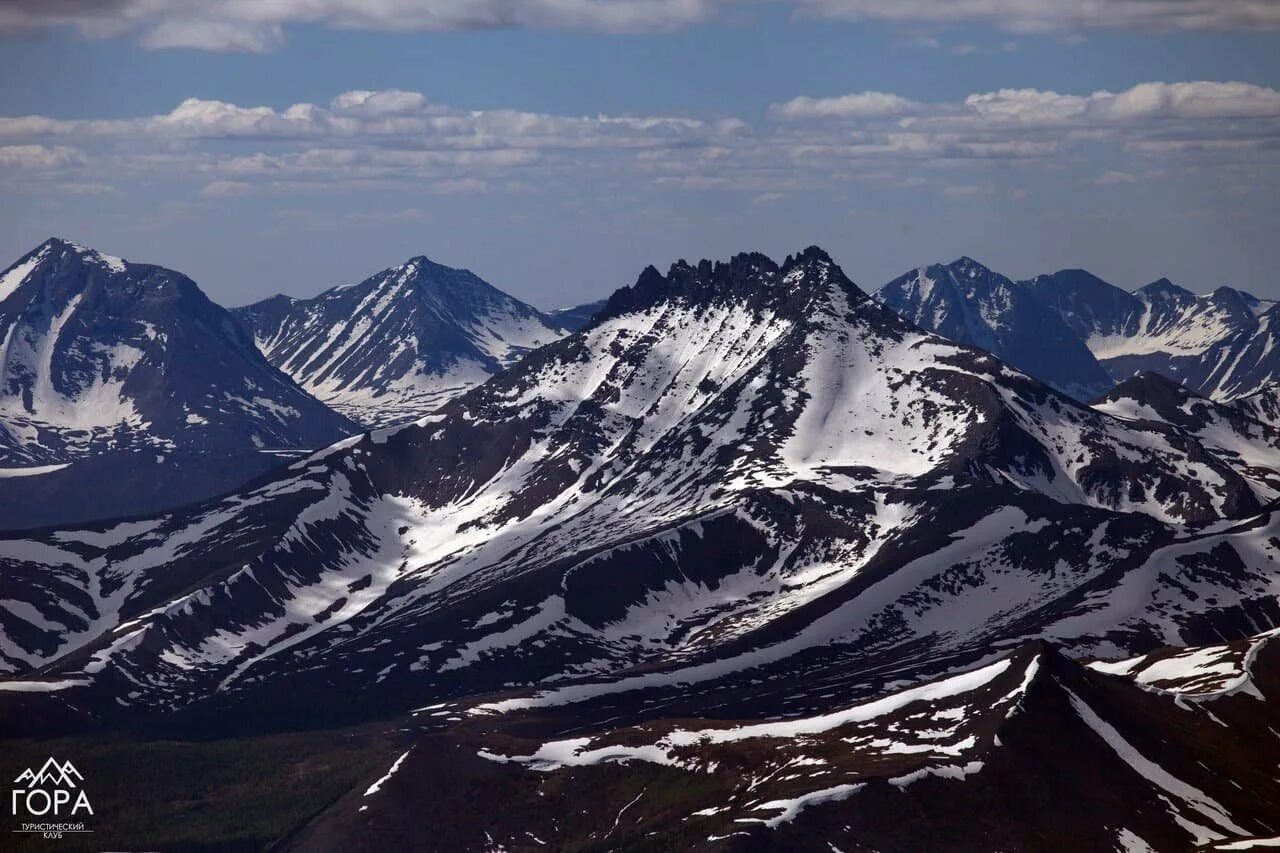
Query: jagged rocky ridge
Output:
(745,485)
(131,376)
(399,343)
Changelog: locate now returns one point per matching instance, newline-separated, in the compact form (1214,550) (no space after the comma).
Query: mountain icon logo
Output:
(62,774)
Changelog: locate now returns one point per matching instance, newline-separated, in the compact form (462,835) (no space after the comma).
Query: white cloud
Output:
(856,105)
(401,140)
(388,102)
(222,189)
(37,157)
(214,35)
(1060,15)
(1201,100)
(258,25)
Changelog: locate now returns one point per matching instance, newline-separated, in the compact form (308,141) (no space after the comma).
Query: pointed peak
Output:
(1231,296)
(1162,288)
(418,263)
(422,271)
(650,275)
(57,246)
(810,256)
(966,263)
(1148,387)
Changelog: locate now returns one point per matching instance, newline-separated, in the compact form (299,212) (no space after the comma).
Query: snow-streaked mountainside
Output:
(1029,751)
(726,447)
(1217,344)
(746,506)
(967,302)
(100,356)
(1165,328)
(399,343)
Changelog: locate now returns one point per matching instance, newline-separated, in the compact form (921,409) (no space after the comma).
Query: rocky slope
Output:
(1006,755)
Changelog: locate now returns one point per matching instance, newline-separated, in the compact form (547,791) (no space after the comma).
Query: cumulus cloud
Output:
(394,139)
(390,114)
(37,157)
(1194,100)
(1032,123)
(856,105)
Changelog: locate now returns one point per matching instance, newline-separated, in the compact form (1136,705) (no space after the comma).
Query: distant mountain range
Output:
(967,302)
(749,561)
(127,376)
(1081,335)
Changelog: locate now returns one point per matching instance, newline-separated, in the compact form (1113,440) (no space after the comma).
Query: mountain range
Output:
(749,561)
(1080,334)
(127,376)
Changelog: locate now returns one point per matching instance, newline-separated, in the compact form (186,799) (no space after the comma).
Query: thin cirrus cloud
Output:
(401,140)
(1055,16)
(260,25)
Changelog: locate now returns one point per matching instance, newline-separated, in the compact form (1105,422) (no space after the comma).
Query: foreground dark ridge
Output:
(1009,756)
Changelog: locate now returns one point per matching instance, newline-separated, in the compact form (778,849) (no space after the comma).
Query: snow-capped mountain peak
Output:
(399,343)
(100,356)
(968,302)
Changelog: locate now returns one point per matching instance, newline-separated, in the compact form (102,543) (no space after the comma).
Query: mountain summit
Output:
(399,343)
(101,356)
(967,302)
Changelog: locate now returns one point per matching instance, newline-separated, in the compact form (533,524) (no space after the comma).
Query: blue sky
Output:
(557,156)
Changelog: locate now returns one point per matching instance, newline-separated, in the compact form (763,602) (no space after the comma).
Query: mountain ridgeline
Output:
(749,555)
(1082,335)
(127,376)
